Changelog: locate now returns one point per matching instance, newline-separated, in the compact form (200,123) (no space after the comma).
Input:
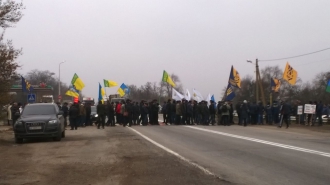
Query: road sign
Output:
(310,109)
(31,97)
(300,110)
(59,97)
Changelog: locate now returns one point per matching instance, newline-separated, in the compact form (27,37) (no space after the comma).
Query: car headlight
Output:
(19,123)
(52,122)
(96,115)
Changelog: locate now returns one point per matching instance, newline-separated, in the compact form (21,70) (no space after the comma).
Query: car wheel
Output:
(58,138)
(18,140)
(63,134)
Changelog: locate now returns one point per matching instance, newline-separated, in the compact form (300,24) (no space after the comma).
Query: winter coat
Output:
(212,109)
(285,110)
(88,110)
(100,109)
(118,108)
(244,110)
(227,112)
(73,111)
(65,110)
(178,109)
(189,110)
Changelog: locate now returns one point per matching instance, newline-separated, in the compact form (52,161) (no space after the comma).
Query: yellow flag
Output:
(71,93)
(167,78)
(121,92)
(109,83)
(290,75)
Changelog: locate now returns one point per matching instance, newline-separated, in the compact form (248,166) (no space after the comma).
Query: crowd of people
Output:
(182,112)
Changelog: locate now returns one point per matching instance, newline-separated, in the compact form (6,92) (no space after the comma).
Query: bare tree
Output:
(10,13)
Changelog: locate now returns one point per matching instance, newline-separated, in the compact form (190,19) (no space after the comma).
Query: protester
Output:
(100,110)
(74,116)
(225,114)
(9,114)
(65,111)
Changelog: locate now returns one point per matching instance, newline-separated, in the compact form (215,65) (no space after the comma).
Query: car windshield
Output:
(39,110)
(93,109)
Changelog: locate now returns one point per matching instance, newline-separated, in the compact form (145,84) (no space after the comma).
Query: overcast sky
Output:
(133,41)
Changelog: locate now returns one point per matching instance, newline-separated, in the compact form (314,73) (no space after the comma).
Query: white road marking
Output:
(206,171)
(264,142)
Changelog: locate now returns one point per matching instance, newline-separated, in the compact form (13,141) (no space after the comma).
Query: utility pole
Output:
(259,85)
(257,81)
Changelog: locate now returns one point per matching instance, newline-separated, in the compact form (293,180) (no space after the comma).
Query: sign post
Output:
(31,98)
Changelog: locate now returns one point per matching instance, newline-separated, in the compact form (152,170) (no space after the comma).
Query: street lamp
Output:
(59,81)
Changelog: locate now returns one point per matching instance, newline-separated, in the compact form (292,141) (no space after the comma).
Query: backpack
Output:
(224,108)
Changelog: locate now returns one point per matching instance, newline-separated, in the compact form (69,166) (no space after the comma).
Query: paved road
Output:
(234,155)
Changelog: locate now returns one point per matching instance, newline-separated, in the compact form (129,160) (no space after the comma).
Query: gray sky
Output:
(133,41)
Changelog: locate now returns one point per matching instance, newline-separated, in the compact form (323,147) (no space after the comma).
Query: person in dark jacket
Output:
(136,113)
(276,112)
(111,114)
(15,112)
(169,112)
(184,111)
(269,114)
(144,114)
(238,111)
(285,113)
(173,109)
(88,110)
(319,110)
(244,112)
(141,106)
(65,111)
(74,116)
(189,120)
(260,113)
(195,112)
(212,112)
(231,113)
(164,112)
(129,116)
(100,110)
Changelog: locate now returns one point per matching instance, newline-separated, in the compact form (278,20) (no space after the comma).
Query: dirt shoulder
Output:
(91,156)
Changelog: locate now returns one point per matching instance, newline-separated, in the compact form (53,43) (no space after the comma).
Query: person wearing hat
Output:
(178,113)
(65,110)
(128,113)
(244,112)
(225,113)
(275,113)
(212,111)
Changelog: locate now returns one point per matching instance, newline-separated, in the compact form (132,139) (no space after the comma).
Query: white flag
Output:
(208,98)
(197,96)
(176,95)
(187,95)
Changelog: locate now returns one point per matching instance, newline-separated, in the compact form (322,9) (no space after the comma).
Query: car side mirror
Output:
(17,114)
(60,113)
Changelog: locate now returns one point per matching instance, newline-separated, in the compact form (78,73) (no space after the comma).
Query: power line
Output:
(294,56)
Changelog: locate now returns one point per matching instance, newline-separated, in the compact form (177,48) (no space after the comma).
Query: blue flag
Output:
(234,78)
(230,94)
(212,98)
(26,86)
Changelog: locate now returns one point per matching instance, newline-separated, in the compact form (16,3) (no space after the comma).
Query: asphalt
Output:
(242,161)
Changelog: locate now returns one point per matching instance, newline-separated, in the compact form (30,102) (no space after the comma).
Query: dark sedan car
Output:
(39,121)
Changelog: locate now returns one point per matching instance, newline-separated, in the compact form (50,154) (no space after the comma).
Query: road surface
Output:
(249,155)
(169,155)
